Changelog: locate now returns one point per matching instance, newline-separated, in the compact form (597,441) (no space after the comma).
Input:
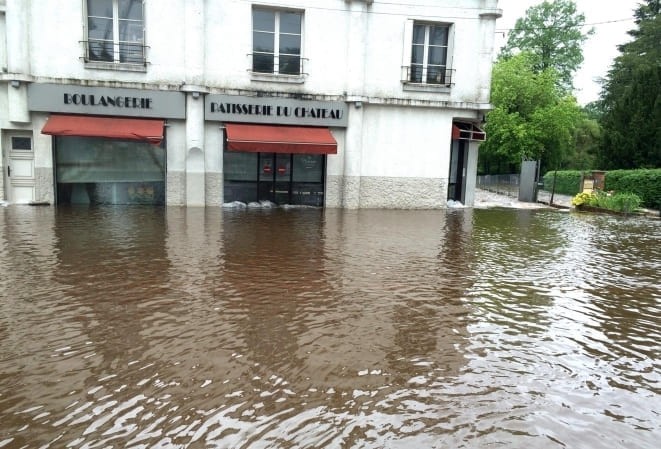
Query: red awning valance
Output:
(146,130)
(279,139)
(467,131)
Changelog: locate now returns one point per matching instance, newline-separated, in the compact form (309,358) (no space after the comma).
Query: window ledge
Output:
(276,78)
(421,87)
(116,66)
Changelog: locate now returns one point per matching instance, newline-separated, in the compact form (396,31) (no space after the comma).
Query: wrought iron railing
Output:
(109,51)
(434,76)
(283,64)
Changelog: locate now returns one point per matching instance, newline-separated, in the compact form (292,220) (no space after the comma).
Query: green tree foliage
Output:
(587,138)
(552,32)
(631,97)
(532,117)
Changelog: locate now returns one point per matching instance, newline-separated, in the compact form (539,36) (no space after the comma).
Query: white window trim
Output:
(406,58)
(116,64)
(278,77)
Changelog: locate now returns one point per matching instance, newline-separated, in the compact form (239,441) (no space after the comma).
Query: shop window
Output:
(115,32)
(276,42)
(102,171)
(427,60)
(280,178)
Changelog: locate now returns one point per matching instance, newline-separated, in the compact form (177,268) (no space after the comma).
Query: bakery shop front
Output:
(108,144)
(275,149)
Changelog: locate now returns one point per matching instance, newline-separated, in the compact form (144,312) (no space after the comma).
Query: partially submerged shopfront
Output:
(275,150)
(108,144)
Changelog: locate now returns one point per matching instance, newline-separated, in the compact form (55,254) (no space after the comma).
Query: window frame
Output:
(276,74)
(118,52)
(447,74)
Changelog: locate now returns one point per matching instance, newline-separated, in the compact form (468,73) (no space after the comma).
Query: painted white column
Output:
(18,59)
(194,60)
(195,172)
(353,145)
(486,34)
(471,173)
(194,33)
(356,51)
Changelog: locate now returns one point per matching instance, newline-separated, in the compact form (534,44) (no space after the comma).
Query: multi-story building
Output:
(340,103)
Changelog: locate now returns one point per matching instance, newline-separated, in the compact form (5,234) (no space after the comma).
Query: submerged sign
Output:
(285,111)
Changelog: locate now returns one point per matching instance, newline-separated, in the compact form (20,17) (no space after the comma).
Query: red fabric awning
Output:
(146,130)
(279,139)
(467,131)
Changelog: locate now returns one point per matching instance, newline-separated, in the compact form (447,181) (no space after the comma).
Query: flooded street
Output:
(307,328)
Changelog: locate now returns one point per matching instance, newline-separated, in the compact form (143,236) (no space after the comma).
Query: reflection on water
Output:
(145,327)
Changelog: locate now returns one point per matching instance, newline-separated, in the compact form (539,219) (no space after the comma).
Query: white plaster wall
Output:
(348,41)
(405,142)
(57,30)
(344,42)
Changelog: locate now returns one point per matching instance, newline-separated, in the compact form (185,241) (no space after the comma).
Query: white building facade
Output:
(334,103)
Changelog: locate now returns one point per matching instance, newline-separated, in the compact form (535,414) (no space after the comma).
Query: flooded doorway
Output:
(458,160)
(287,178)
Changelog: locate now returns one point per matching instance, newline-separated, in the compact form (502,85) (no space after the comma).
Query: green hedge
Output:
(567,182)
(646,183)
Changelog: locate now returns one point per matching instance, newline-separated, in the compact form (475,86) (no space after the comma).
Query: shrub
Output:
(646,183)
(581,199)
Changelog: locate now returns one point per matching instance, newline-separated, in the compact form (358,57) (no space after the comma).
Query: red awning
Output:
(279,139)
(467,131)
(146,130)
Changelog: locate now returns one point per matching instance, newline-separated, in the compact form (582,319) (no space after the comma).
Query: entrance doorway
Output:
(457,178)
(282,178)
(18,163)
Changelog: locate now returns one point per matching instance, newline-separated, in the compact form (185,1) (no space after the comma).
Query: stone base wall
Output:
(44,184)
(403,193)
(175,188)
(342,192)
(385,193)
(214,189)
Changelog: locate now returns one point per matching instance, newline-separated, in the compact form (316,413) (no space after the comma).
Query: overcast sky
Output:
(599,50)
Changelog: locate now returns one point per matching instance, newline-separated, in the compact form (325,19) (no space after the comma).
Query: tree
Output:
(631,97)
(552,33)
(587,137)
(532,117)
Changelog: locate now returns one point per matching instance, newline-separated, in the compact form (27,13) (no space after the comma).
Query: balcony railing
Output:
(433,76)
(120,53)
(269,64)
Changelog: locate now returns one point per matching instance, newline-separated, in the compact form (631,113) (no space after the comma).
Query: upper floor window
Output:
(429,54)
(115,31)
(276,42)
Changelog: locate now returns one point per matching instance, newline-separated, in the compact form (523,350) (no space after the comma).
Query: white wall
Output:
(406,142)
(342,41)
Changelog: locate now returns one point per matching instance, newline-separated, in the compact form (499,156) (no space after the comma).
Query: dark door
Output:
(457,170)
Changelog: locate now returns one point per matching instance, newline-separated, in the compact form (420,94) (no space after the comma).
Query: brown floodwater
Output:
(307,328)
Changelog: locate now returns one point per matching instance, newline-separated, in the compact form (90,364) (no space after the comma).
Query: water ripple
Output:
(179,328)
